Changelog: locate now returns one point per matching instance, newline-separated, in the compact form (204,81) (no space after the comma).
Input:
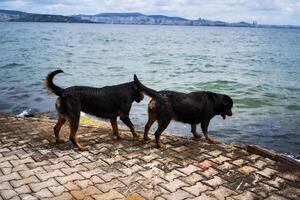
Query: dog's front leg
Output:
(204,126)
(114,126)
(193,130)
(126,120)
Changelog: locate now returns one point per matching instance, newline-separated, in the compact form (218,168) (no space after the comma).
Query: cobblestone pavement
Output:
(32,166)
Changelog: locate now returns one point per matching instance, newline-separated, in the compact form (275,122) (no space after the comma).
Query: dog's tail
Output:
(150,92)
(51,86)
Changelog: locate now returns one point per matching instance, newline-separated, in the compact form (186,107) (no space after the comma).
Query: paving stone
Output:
(71,186)
(260,164)
(276,182)
(291,192)
(247,170)
(50,168)
(209,172)
(110,175)
(18,183)
(35,171)
(197,189)
(7,194)
(216,181)
(178,195)
(81,194)
(89,173)
(112,194)
(132,169)
(263,189)
(240,162)
(21,161)
(28,196)
(225,166)
(215,153)
(206,164)
(127,180)
(220,159)
(221,193)
(23,189)
(153,193)
(174,185)
(192,179)
(46,176)
(189,169)
(172,175)
(72,177)
(152,172)
(134,196)
(12,176)
(44,193)
(267,172)
(38,186)
(105,187)
(275,197)
(57,190)
(245,195)
(5,185)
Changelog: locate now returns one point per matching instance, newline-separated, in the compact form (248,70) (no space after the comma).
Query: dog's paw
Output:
(136,135)
(82,148)
(147,138)
(213,141)
(198,138)
(119,137)
(161,146)
(59,141)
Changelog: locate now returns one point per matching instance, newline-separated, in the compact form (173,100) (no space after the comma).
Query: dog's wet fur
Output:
(192,108)
(107,102)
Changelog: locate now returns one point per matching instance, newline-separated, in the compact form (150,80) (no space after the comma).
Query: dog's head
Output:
(138,95)
(226,106)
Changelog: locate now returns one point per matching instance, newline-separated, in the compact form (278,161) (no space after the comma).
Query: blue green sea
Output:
(258,67)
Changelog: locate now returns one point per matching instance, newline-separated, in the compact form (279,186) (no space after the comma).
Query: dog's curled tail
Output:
(50,85)
(150,92)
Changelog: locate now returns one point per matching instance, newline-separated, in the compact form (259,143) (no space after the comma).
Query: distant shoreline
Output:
(258,27)
(133,18)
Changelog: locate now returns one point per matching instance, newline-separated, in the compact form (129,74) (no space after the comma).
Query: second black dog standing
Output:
(107,102)
(192,108)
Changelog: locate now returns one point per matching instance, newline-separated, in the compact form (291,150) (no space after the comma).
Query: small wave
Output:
(293,107)
(11,65)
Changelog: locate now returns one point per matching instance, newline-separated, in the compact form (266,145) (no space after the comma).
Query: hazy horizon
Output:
(278,12)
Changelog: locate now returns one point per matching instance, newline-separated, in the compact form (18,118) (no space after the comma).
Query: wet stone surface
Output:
(33,166)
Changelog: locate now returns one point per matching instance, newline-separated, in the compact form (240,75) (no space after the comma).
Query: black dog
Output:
(107,102)
(192,108)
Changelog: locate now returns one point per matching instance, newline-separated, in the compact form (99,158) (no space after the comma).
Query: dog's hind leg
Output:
(60,122)
(162,125)
(193,130)
(204,126)
(114,126)
(74,123)
(151,120)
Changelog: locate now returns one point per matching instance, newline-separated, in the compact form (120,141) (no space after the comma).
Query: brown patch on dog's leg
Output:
(151,120)
(211,139)
(74,123)
(193,130)
(114,126)
(161,127)
(204,126)
(57,127)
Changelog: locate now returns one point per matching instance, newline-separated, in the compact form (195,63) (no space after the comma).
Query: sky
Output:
(278,12)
